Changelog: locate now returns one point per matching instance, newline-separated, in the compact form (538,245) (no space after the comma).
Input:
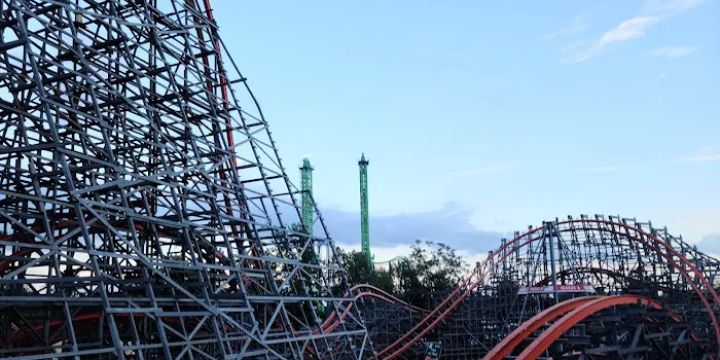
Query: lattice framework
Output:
(144,209)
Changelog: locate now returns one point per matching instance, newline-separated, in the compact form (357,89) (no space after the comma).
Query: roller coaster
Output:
(145,213)
(589,287)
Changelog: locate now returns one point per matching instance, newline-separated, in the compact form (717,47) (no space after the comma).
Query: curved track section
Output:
(570,319)
(429,322)
(590,255)
(569,313)
(522,332)
(365,292)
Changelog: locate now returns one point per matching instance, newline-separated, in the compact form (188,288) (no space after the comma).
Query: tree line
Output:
(430,267)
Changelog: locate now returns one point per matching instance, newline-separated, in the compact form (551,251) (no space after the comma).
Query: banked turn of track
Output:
(589,305)
(563,317)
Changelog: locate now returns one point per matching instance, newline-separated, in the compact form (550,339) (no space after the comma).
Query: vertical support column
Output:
(551,232)
(364,215)
(307,200)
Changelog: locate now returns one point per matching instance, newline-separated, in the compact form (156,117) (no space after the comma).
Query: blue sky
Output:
(481,118)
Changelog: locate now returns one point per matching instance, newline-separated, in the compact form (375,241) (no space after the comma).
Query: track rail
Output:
(572,318)
(364,291)
(430,319)
(695,278)
(506,346)
(529,327)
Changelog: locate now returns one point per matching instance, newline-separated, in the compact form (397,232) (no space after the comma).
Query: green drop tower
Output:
(364,215)
(307,201)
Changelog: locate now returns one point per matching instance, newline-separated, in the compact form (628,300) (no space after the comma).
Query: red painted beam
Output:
(506,346)
(486,268)
(365,291)
(554,332)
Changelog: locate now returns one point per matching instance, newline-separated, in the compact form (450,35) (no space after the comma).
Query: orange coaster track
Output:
(691,272)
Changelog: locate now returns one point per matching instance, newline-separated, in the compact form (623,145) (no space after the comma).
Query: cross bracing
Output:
(144,209)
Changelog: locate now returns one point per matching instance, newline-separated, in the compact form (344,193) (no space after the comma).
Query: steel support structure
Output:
(144,210)
(364,212)
(549,267)
(306,185)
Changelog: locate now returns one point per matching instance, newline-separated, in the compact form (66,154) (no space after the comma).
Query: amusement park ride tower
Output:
(307,201)
(364,215)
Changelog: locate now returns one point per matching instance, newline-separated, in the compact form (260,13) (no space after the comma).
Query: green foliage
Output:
(358,270)
(383,280)
(430,267)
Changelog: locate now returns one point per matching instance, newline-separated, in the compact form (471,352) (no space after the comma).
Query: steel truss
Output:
(567,259)
(144,210)
(384,315)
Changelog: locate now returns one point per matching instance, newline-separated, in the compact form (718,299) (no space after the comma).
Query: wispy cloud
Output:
(672,52)
(600,169)
(703,158)
(635,27)
(704,154)
(632,28)
(481,171)
(383,254)
(627,30)
(452,225)
(709,148)
(710,243)
(670,7)
(579,24)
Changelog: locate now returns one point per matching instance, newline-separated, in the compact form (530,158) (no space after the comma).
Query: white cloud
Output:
(579,24)
(708,148)
(672,52)
(669,7)
(380,252)
(704,154)
(601,169)
(451,225)
(695,226)
(711,244)
(635,27)
(702,158)
(627,30)
(386,253)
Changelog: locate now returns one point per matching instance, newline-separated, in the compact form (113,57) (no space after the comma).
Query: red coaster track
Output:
(505,347)
(646,237)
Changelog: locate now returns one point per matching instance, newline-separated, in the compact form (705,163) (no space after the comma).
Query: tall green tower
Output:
(364,215)
(307,201)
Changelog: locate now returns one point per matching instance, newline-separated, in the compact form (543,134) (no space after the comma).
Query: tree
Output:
(444,267)
(430,267)
(383,280)
(358,269)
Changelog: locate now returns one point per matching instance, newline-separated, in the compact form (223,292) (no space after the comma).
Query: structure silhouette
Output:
(144,210)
